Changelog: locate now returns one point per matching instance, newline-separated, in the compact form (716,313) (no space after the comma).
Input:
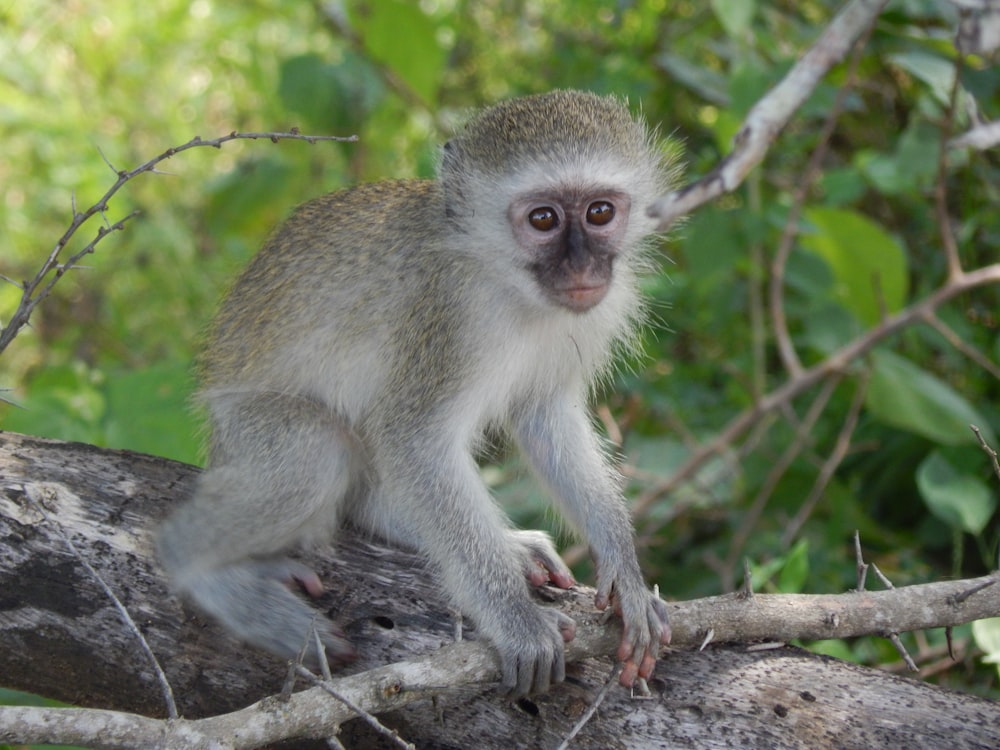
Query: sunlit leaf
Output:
(868,264)
(987,635)
(734,15)
(400,35)
(795,570)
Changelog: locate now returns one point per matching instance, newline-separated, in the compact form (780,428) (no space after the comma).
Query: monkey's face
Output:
(569,240)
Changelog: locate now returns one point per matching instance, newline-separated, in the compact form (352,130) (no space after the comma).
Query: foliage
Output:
(85,85)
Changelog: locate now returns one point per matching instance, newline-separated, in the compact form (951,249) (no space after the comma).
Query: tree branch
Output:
(39,287)
(769,115)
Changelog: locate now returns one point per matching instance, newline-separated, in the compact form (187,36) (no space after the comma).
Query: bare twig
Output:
(901,650)
(840,448)
(592,708)
(859,561)
(168,693)
(770,114)
(325,684)
(776,291)
(940,183)
(990,451)
(788,456)
(837,362)
(962,345)
(39,287)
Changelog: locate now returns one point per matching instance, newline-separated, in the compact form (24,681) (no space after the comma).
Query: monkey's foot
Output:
(542,563)
(255,600)
(646,629)
(532,658)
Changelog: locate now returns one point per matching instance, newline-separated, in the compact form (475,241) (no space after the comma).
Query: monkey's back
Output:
(321,300)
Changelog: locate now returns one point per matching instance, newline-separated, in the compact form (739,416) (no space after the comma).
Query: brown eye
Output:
(543,219)
(600,213)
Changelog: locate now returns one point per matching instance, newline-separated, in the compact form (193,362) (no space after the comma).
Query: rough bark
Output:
(61,636)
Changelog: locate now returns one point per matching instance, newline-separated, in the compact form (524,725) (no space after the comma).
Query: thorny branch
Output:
(315,712)
(35,290)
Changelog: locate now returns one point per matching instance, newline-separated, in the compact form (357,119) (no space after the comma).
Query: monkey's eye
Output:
(600,213)
(544,219)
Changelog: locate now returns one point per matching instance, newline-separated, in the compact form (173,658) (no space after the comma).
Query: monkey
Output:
(354,367)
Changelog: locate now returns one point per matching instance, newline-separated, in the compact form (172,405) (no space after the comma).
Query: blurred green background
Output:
(88,87)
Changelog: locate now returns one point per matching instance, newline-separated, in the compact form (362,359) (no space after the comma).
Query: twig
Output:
(788,456)
(168,693)
(837,362)
(990,451)
(940,183)
(39,287)
(962,345)
(327,686)
(592,708)
(769,115)
(840,448)
(859,562)
(901,649)
(776,296)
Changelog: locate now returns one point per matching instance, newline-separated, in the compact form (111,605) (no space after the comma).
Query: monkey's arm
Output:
(557,438)
(431,497)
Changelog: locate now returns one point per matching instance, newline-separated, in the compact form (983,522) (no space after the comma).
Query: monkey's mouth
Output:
(581,298)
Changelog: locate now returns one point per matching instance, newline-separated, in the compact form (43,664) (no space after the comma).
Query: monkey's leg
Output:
(279,472)
(566,454)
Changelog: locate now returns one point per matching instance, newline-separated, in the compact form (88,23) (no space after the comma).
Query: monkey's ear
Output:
(449,153)
(449,169)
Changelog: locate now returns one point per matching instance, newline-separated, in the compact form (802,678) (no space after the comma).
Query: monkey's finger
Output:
(664,621)
(559,572)
(603,596)
(647,665)
(544,563)
(628,674)
(567,628)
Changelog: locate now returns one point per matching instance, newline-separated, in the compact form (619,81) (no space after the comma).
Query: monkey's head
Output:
(562,180)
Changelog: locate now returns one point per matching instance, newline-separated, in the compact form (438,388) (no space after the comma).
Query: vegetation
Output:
(859,212)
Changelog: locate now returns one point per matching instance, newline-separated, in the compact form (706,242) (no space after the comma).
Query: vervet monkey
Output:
(354,366)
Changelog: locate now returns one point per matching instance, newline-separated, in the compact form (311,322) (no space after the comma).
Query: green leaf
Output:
(734,15)
(937,72)
(400,35)
(842,185)
(708,84)
(868,264)
(795,571)
(63,402)
(987,635)
(165,425)
(905,396)
(330,97)
(958,499)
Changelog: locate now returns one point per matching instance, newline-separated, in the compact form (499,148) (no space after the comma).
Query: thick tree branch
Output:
(64,637)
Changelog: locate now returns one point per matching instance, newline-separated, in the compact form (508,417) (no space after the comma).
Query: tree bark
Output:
(61,635)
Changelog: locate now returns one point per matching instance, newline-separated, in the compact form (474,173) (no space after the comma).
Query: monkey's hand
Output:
(532,656)
(542,563)
(647,626)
